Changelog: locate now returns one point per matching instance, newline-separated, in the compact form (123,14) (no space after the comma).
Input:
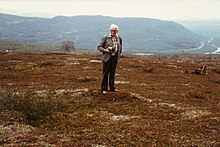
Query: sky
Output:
(158,9)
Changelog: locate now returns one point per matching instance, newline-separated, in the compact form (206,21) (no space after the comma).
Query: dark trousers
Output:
(109,68)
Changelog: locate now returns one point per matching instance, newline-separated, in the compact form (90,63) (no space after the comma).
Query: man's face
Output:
(113,32)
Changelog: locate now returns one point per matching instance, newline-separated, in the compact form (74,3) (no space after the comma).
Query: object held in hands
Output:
(112,50)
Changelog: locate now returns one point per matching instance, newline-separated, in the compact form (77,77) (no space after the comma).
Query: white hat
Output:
(113,27)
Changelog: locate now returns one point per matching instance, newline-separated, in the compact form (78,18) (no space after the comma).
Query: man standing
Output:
(111,48)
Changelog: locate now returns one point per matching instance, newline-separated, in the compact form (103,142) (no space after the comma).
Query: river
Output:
(216,51)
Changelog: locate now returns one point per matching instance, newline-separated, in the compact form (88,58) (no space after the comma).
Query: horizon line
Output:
(141,17)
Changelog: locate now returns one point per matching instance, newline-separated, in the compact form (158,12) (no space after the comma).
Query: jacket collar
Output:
(109,35)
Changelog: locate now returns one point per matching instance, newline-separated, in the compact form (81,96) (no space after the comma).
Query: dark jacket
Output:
(106,41)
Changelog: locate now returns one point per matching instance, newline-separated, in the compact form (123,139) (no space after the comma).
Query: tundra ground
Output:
(55,99)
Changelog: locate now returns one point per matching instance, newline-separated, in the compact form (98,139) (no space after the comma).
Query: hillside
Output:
(86,31)
(14,46)
(208,28)
(55,100)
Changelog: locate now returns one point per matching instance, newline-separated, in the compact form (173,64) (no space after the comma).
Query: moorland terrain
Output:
(51,99)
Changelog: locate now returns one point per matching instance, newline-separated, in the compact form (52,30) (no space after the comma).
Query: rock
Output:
(95,61)
(118,117)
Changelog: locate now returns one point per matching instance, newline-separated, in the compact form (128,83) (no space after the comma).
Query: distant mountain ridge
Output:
(206,28)
(86,31)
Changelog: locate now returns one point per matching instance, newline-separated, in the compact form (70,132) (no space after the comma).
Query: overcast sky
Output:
(159,9)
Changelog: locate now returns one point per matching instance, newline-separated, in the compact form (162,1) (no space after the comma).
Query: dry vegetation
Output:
(55,99)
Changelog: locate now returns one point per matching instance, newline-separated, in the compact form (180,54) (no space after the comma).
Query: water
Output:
(217,51)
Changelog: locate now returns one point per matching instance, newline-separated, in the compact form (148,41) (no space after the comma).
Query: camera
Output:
(110,48)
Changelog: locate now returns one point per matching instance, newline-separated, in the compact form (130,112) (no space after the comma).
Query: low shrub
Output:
(215,81)
(8,75)
(34,109)
(148,69)
(216,70)
(196,95)
(48,63)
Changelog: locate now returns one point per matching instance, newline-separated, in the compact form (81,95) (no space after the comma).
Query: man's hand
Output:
(106,50)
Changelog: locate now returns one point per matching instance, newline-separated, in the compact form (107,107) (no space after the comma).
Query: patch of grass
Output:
(216,70)
(196,95)
(49,63)
(3,59)
(8,75)
(132,65)
(215,81)
(46,64)
(33,108)
(148,69)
